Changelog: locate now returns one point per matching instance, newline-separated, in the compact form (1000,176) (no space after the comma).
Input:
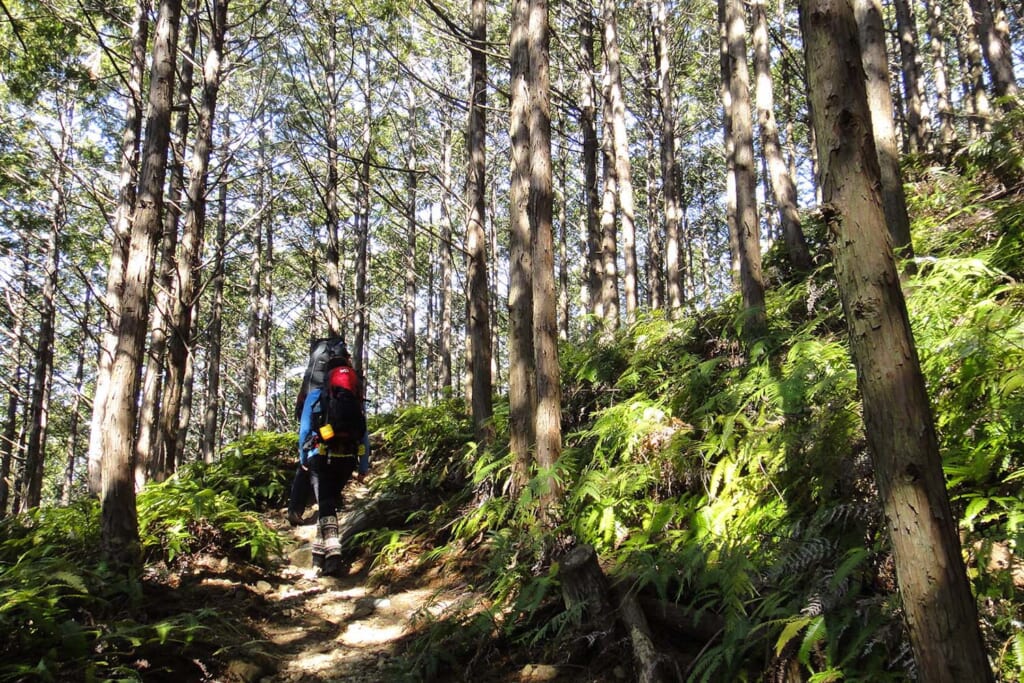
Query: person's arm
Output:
(306,425)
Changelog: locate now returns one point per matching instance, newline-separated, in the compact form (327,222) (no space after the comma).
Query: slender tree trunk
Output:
(747,229)
(121,223)
(980,111)
(333,264)
(211,419)
(522,392)
(918,133)
(119,521)
(76,404)
(940,76)
(35,450)
(938,606)
(10,448)
(359,350)
(615,129)
(996,49)
(876,67)
(247,400)
(548,417)
(669,165)
(150,462)
(409,298)
(591,214)
(444,375)
(478,301)
(176,403)
(781,183)
(609,238)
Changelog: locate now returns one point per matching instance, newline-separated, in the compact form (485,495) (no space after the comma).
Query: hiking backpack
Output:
(324,354)
(340,420)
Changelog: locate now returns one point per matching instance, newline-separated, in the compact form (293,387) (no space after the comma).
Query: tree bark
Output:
(76,403)
(522,393)
(591,214)
(996,50)
(669,165)
(615,124)
(782,186)
(548,415)
(918,134)
(876,67)
(979,109)
(747,231)
(211,417)
(939,609)
(478,317)
(119,521)
(409,296)
(940,76)
(121,224)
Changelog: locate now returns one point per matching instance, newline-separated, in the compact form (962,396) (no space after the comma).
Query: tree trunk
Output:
(615,124)
(876,68)
(996,50)
(121,223)
(742,152)
(119,521)
(939,609)
(669,165)
(918,133)
(521,358)
(609,310)
(11,444)
(39,401)
(478,317)
(76,403)
(940,76)
(548,415)
(409,297)
(211,418)
(333,260)
(979,109)
(150,462)
(781,183)
(444,347)
(176,404)
(591,213)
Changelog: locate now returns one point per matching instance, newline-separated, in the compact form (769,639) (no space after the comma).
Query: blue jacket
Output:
(306,426)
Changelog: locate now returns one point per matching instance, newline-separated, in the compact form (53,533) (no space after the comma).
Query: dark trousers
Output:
(328,476)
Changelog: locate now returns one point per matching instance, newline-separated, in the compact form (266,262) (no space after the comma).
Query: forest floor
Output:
(300,627)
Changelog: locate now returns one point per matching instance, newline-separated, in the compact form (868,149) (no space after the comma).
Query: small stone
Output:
(538,673)
(244,671)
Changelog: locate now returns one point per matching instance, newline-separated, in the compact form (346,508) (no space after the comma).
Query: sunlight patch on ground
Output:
(361,635)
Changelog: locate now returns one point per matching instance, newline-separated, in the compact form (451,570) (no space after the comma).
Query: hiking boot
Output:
(294,518)
(332,566)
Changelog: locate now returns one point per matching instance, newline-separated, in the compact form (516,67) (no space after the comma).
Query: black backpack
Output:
(339,418)
(324,354)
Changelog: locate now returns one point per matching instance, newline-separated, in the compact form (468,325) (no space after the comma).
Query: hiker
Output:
(322,353)
(332,447)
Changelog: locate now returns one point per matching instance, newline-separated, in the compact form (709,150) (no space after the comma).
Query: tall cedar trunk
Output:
(119,521)
(747,229)
(996,50)
(176,405)
(150,462)
(940,612)
(10,445)
(362,221)
(478,305)
(615,129)
(782,186)
(609,235)
(669,165)
(591,214)
(333,265)
(730,165)
(916,106)
(563,247)
(655,268)
(940,76)
(979,109)
(266,323)
(444,346)
(548,415)
(126,193)
(247,401)
(520,295)
(876,67)
(409,298)
(74,428)
(211,418)
(39,401)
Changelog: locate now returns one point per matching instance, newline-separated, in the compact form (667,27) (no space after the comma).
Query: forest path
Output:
(346,628)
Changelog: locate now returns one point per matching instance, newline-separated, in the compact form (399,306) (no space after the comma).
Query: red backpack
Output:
(340,420)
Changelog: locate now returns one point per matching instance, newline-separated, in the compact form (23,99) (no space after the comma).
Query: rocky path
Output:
(319,628)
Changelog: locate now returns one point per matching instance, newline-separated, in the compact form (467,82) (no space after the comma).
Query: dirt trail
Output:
(320,628)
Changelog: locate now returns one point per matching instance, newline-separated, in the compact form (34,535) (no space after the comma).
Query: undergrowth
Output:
(66,617)
(736,484)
